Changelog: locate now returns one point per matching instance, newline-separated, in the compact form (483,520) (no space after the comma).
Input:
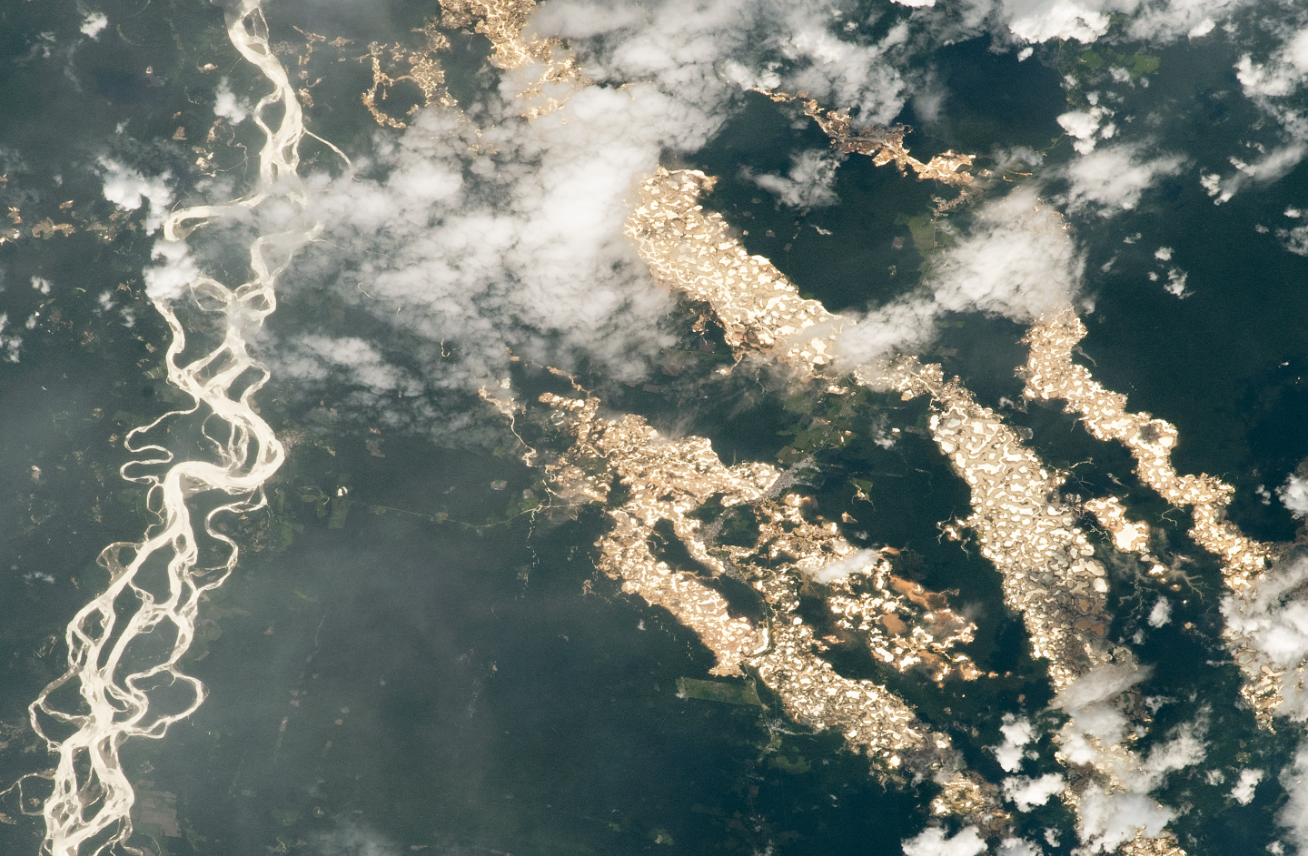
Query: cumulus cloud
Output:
(702,52)
(1109,820)
(1271,166)
(808,185)
(11,343)
(1271,617)
(1027,793)
(365,366)
(1169,20)
(1176,283)
(1087,127)
(1294,495)
(355,840)
(1042,20)
(1089,702)
(1243,792)
(1281,74)
(932,842)
(1161,613)
(475,244)
(1294,815)
(1294,240)
(1018,733)
(1114,178)
(1094,734)
(1017,261)
(1184,748)
(227,105)
(93,24)
(128,189)
(855,563)
(471,244)
(1086,21)
(173,271)
(1271,81)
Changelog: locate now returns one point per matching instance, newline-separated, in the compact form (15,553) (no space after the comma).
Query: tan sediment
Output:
(1049,575)
(1128,536)
(1025,528)
(1050,374)
(885,145)
(425,72)
(694,252)
(667,480)
(1164,845)
(551,67)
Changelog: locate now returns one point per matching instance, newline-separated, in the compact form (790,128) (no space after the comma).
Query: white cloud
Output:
(127,188)
(362,377)
(1161,613)
(1042,20)
(1087,127)
(1018,733)
(1113,179)
(1017,847)
(1271,166)
(1294,240)
(475,246)
(1176,279)
(1294,495)
(855,563)
(849,74)
(227,105)
(472,244)
(1243,792)
(902,325)
(1089,703)
(1169,20)
(808,185)
(1211,182)
(12,344)
(174,271)
(93,24)
(1108,821)
(1027,793)
(354,840)
(1294,815)
(1184,749)
(700,52)
(1094,734)
(1271,618)
(1086,21)
(932,842)
(41,284)
(1273,83)
(1283,72)
(1017,261)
